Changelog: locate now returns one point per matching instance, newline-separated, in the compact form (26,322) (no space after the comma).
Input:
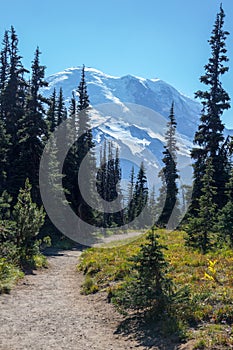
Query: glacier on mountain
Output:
(133,111)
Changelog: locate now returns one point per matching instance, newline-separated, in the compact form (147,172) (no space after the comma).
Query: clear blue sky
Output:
(150,38)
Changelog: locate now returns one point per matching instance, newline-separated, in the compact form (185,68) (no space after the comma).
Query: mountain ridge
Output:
(133,112)
(104,88)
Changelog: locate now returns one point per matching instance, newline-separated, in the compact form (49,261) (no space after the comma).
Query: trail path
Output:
(46,311)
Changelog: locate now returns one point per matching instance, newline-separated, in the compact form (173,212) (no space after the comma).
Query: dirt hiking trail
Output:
(46,312)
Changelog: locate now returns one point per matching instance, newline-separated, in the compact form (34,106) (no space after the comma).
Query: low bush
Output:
(9,275)
(203,283)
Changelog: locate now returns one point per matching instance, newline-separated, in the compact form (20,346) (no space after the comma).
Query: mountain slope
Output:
(133,111)
(151,93)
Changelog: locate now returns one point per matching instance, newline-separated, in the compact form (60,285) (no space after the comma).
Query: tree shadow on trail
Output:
(150,334)
(53,251)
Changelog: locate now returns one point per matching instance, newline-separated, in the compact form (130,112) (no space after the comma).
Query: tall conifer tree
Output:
(33,129)
(13,101)
(131,206)
(209,138)
(85,146)
(61,112)
(169,173)
(51,112)
(140,197)
(201,227)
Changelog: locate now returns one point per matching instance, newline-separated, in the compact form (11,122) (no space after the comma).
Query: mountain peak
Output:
(154,93)
(133,112)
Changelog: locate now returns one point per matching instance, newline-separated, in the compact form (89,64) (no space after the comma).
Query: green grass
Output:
(209,278)
(9,275)
(11,272)
(39,261)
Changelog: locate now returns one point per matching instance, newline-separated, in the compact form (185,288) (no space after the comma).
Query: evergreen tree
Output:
(83,105)
(102,173)
(169,174)
(4,149)
(117,172)
(7,228)
(13,100)
(61,112)
(201,228)
(13,96)
(70,167)
(32,130)
(152,207)
(209,137)
(186,197)
(61,116)
(54,178)
(140,197)
(72,113)
(73,106)
(108,184)
(225,215)
(51,112)
(5,206)
(150,287)
(4,138)
(29,219)
(118,215)
(4,66)
(85,146)
(101,182)
(131,206)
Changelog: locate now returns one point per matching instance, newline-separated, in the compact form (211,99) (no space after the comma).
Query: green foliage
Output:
(18,232)
(89,286)
(7,226)
(51,116)
(82,148)
(12,96)
(9,251)
(211,274)
(149,287)
(196,300)
(200,345)
(201,228)
(225,223)
(61,112)
(140,199)
(28,221)
(209,138)
(9,274)
(108,265)
(5,206)
(169,175)
(39,261)
(32,129)
(225,216)
(108,179)
(130,206)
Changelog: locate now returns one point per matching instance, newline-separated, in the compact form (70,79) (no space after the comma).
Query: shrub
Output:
(89,286)
(149,287)
(9,274)
(28,221)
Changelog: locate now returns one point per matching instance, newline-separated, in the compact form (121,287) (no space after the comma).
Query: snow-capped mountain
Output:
(133,111)
(151,93)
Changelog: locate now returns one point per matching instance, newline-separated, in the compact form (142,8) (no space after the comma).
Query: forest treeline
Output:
(180,282)
(28,119)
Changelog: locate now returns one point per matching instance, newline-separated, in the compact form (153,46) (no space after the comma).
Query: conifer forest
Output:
(172,282)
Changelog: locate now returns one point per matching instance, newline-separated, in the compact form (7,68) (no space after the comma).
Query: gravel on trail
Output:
(46,311)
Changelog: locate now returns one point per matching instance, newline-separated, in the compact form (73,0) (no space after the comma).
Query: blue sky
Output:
(166,39)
